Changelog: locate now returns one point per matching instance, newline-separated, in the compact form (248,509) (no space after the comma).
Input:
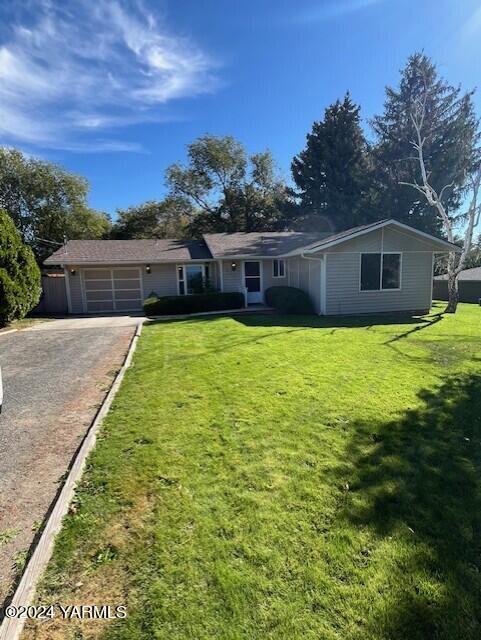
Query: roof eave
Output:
(81,263)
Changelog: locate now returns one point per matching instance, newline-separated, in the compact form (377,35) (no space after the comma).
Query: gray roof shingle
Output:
(267,244)
(118,251)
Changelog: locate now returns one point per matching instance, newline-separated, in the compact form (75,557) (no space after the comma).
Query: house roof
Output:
(117,251)
(267,244)
(220,245)
(468,274)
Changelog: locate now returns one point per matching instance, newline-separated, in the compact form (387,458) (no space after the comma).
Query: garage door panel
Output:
(94,307)
(126,284)
(128,305)
(112,290)
(98,274)
(98,285)
(128,295)
(126,274)
(99,295)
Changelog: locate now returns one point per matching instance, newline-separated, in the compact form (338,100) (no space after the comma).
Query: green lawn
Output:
(285,477)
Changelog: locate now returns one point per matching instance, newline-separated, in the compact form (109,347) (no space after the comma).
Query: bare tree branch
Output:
(471,215)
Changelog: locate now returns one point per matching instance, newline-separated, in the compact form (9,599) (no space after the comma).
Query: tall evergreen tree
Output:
(450,150)
(332,172)
(20,286)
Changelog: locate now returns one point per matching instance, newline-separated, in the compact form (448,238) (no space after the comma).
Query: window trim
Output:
(183,279)
(382,254)
(279,261)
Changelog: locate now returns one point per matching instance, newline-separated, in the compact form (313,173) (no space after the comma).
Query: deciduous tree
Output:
(168,218)
(46,202)
(229,190)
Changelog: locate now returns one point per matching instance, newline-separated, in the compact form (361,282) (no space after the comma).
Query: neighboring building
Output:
(469,286)
(382,267)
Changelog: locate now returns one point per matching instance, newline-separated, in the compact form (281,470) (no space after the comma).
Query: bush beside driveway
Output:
(284,477)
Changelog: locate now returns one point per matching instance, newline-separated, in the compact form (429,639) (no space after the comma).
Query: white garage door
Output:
(112,289)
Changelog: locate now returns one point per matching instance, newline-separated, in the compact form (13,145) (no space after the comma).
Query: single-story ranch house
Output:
(469,286)
(381,267)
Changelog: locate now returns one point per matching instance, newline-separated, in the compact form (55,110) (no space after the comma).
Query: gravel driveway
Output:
(55,376)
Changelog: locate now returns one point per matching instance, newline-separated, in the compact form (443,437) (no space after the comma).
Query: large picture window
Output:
(191,278)
(380,271)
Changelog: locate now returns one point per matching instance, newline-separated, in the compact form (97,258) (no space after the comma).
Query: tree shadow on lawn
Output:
(308,321)
(416,484)
(331,322)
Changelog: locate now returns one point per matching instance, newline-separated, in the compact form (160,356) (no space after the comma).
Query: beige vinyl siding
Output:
(293,272)
(342,286)
(385,239)
(213,274)
(269,280)
(232,279)
(306,275)
(314,283)
(394,240)
(371,241)
(75,283)
(162,280)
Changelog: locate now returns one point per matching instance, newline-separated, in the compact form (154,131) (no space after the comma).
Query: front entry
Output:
(253,281)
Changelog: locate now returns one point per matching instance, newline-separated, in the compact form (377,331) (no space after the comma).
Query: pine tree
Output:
(451,154)
(332,172)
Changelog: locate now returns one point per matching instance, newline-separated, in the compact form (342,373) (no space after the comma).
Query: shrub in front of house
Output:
(289,300)
(20,285)
(195,303)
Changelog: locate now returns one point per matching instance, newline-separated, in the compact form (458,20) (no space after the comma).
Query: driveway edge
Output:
(11,628)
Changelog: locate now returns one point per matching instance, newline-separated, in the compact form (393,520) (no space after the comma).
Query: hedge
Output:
(289,300)
(20,285)
(195,303)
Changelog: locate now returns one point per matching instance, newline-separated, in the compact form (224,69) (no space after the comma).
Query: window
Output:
(370,271)
(380,271)
(278,268)
(191,279)
(391,271)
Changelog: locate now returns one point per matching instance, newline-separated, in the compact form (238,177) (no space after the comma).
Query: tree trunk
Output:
(453,293)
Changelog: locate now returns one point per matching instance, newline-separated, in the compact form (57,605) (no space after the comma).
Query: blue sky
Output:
(114,90)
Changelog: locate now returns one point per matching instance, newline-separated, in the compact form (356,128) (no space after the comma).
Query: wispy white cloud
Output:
(77,70)
(322,10)
(472,26)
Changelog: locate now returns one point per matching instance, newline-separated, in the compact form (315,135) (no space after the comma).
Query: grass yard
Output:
(268,477)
